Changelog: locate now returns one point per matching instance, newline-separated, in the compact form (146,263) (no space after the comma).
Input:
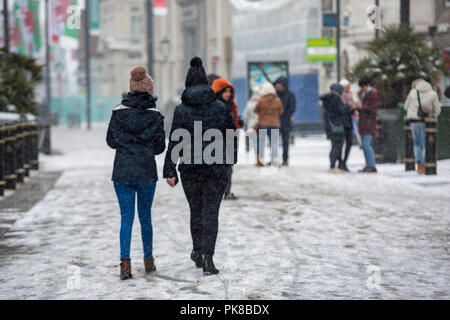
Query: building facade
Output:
(190,28)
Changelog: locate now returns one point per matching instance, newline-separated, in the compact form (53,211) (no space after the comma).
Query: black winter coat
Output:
(136,132)
(335,111)
(199,104)
(289,103)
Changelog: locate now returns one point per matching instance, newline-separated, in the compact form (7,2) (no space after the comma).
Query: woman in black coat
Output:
(136,132)
(337,117)
(204,170)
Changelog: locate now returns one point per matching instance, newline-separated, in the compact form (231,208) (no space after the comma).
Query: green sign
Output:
(321,50)
(95,14)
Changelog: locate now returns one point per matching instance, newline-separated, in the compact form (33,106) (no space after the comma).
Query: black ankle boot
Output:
(208,265)
(343,166)
(196,256)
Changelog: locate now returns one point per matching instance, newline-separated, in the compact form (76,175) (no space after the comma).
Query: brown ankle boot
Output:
(149,265)
(259,162)
(420,168)
(125,270)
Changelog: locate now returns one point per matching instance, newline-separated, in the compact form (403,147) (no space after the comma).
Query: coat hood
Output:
(139,100)
(284,81)
(329,98)
(198,96)
(268,88)
(423,86)
(221,84)
(138,112)
(337,87)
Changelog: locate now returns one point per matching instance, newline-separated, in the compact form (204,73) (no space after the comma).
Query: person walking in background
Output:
(338,114)
(447,92)
(289,105)
(367,124)
(347,98)
(422,102)
(203,183)
(136,132)
(225,93)
(269,108)
(251,121)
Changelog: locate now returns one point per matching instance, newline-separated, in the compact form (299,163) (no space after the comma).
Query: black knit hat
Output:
(196,74)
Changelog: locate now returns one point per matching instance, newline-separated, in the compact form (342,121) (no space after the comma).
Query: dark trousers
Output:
(348,143)
(337,141)
(228,188)
(285,135)
(204,188)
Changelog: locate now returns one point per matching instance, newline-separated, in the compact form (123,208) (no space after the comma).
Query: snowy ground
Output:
(297,233)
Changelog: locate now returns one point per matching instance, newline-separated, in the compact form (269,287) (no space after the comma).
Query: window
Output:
(327,5)
(447,3)
(135,27)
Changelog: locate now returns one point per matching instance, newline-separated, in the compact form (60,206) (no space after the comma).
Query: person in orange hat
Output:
(225,93)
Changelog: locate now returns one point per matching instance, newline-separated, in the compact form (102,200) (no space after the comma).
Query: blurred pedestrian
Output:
(136,132)
(225,93)
(338,115)
(347,98)
(289,106)
(251,120)
(203,183)
(367,124)
(269,109)
(213,77)
(422,102)
(447,92)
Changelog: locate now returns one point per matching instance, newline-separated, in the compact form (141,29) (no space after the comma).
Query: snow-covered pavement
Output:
(295,233)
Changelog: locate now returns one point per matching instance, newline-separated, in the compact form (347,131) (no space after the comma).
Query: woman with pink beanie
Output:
(136,132)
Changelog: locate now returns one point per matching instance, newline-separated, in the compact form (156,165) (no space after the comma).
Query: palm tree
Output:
(396,59)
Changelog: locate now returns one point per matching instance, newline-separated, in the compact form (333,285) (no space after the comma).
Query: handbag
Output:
(337,129)
(420,113)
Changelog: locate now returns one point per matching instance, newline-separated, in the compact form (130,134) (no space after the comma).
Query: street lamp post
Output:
(46,112)
(377,31)
(338,39)
(87,51)
(6,23)
(150,57)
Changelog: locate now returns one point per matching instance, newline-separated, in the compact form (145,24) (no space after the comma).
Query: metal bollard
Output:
(2,159)
(410,162)
(378,143)
(10,159)
(46,146)
(26,145)
(20,171)
(34,146)
(431,154)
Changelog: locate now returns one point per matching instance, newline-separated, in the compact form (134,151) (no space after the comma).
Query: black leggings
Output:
(204,188)
(337,141)
(348,143)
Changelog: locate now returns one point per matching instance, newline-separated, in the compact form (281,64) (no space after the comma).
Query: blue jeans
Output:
(419,137)
(126,194)
(369,154)
(274,141)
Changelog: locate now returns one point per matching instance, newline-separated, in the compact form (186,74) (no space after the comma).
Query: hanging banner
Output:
(159,7)
(26,33)
(95,15)
(73,20)
(321,50)
(59,16)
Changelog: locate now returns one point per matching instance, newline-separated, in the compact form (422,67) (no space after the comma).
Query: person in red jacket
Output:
(225,93)
(368,110)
